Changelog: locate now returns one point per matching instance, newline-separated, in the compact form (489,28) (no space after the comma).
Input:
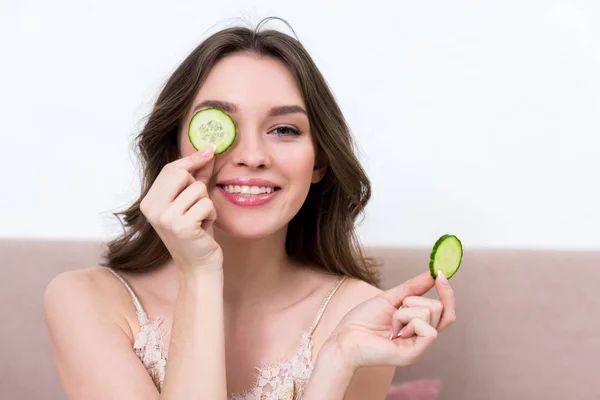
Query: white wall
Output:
(476,118)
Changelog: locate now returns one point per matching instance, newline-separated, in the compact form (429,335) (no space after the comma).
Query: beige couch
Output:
(528,321)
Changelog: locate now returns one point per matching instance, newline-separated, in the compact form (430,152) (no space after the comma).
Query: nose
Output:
(250,150)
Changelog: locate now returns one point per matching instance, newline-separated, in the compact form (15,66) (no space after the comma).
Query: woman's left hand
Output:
(396,326)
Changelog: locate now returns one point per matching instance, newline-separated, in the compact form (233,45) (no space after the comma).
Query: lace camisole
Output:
(282,380)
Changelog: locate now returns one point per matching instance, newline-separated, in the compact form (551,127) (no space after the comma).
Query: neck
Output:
(254,269)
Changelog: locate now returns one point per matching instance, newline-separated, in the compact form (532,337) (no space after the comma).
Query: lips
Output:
(248,192)
(247,182)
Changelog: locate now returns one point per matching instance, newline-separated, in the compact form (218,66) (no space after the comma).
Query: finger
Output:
(435,306)
(195,160)
(418,327)
(203,212)
(422,335)
(403,316)
(416,286)
(176,176)
(186,199)
(447,298)
(167,186)
(205,173)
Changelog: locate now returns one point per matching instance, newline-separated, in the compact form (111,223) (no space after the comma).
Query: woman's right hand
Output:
(178,208)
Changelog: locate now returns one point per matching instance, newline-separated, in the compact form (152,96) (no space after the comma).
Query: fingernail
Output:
(442,277)
(208,151)
(392,334)
(401,330)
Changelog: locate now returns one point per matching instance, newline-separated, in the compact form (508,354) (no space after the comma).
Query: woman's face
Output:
(262,180)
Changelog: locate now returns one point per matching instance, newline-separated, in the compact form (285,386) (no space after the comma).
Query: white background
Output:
(478,118)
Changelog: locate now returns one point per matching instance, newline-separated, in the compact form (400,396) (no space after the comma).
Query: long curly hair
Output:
(322,233)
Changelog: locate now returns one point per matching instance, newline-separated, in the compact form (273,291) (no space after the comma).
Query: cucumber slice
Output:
(210,127)
(446,256)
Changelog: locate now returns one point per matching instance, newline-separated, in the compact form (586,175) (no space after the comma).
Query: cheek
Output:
(297,163)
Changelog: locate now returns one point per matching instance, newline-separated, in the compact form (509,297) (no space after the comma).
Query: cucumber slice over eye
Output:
(210,127)
(446,256)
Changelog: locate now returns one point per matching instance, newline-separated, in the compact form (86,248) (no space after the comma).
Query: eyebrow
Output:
(284,110)
(231,108)
(223,105)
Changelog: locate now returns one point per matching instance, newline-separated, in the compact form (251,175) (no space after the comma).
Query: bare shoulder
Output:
(88,278)
(84,284)
(71,297)
(91,337)
(356,287)
(350,294)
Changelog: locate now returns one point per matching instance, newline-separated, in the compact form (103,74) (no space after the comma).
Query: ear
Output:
(320,168)
(318,174)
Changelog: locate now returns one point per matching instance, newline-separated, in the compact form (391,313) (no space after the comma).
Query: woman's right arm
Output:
(91,342)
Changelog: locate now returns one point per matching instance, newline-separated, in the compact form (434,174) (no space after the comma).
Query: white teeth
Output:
(247,190)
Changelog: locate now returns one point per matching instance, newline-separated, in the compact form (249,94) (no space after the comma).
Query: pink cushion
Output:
(423,389)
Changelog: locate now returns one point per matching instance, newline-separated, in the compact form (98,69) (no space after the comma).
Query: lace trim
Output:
(283,380)
(150,349)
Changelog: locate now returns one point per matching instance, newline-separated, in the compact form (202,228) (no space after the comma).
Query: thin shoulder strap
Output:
(141,314)
(324,305)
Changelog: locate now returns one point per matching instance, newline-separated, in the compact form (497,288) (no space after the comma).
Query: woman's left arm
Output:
(392,329)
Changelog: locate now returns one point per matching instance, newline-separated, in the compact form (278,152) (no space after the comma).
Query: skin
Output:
(231,299)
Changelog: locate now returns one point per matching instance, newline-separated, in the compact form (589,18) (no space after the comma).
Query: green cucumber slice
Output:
(209,127)
(446,256)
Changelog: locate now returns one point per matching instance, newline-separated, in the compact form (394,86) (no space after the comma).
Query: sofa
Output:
(528,322)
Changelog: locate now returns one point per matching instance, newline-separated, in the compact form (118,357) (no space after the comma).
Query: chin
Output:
(250,227)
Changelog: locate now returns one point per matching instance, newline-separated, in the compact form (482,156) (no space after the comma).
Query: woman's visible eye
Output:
(286,131)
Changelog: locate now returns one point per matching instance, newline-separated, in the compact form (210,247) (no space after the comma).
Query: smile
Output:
(248,190)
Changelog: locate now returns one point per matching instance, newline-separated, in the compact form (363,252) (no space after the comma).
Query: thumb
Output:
(205,172)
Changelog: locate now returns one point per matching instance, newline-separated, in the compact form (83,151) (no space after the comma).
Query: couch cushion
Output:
(27,268)
(526,324)
(422,389)
(526,329)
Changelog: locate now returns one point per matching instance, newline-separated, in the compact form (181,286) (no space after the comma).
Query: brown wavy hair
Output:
(322,233)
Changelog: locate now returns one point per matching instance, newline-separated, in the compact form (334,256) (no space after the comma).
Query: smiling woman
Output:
(243,259)
(274,146)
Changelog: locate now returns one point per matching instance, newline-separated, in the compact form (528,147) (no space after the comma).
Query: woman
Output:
(239,275)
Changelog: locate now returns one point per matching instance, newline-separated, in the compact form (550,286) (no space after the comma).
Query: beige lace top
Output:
(282,380)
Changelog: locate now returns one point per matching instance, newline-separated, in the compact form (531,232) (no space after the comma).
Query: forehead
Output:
(251,81)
